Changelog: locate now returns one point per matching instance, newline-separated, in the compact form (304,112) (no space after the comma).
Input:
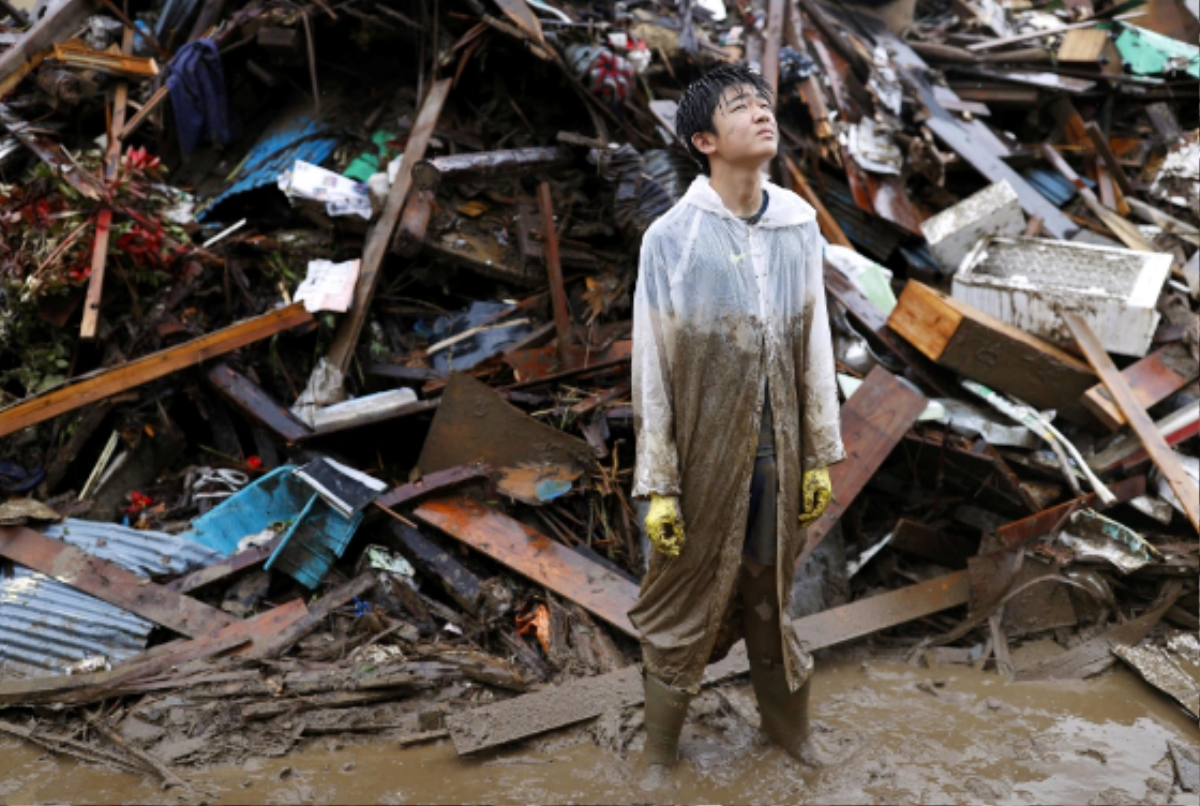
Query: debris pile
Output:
(316,386)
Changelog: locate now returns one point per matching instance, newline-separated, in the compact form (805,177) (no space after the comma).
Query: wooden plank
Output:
(558,293)
(1127,452)
(923,541)
(966,340)
(1104,149)
(257,404)
(109,382)
(586,698)
(112,161)
(829,226)
(1125,231)
(283,639)
(889,609)
(515,545)
(1160,452)
(874,420)
(434,482)
(226,568)
(436,563)
(1020,532)
(772,41)
(110,583)
(1152,379)
(380,236)
(58,25)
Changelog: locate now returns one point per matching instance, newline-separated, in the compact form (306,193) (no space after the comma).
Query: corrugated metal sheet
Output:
(295,135)
(1051,184)
(46,626)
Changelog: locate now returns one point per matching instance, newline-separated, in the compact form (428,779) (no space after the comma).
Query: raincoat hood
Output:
(785,209)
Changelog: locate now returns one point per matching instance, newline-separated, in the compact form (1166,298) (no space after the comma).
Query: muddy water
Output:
(887,733)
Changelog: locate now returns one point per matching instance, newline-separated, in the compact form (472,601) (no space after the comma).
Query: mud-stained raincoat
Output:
(721,308)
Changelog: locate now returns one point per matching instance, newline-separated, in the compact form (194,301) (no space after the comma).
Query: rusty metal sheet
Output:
(474,424)
(110,582)
(1020,532)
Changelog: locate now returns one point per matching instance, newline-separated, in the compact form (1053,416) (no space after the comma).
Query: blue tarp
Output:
(296,136)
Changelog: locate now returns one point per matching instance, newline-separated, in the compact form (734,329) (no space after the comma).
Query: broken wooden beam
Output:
(256,404)
(433,483)
(51,153)
(108,382)
(428,174)
(1152,379)
(1118,226)
(129,676)
(920,540)
(586,698)
(345,340)
(962,338)
(436,563)
(110,582)
(80,56)
(283,640)
(1160,452)
(558,292)
(517,546)
(1020,532)
(873,421)
(234,564)
(57,25)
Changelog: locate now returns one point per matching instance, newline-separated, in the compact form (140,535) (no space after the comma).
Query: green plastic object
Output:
(367,163)
(1147,53)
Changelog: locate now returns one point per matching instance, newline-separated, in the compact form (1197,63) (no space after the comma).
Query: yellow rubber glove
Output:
(817,492)
(664,524)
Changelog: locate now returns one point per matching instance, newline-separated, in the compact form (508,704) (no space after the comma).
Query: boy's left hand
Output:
(817,490)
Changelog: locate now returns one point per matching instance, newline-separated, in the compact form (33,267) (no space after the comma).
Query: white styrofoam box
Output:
(1029,282)
(952,233)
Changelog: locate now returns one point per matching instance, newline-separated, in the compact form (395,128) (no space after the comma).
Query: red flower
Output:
(137,502)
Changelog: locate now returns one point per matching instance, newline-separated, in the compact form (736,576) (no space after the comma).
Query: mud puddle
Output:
(888,733)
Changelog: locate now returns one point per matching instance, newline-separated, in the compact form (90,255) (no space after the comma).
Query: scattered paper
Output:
(342,196)
(329,286)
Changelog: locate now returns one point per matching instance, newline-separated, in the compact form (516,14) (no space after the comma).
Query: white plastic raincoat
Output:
(721,308)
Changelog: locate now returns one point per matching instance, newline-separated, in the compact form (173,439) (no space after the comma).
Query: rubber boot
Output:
(666,708)
(784,712)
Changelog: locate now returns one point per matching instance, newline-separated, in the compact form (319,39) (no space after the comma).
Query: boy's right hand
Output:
(664,524)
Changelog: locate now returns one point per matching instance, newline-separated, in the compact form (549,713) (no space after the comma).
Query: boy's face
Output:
(746,132)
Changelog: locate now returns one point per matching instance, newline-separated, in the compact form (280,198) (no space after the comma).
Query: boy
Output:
(736,415)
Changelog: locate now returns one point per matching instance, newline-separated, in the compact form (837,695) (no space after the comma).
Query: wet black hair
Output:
(699,103)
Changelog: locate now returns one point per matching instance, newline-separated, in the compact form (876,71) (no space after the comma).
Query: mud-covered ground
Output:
(887,732)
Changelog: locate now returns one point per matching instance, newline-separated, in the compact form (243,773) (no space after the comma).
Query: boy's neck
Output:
(739,187)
